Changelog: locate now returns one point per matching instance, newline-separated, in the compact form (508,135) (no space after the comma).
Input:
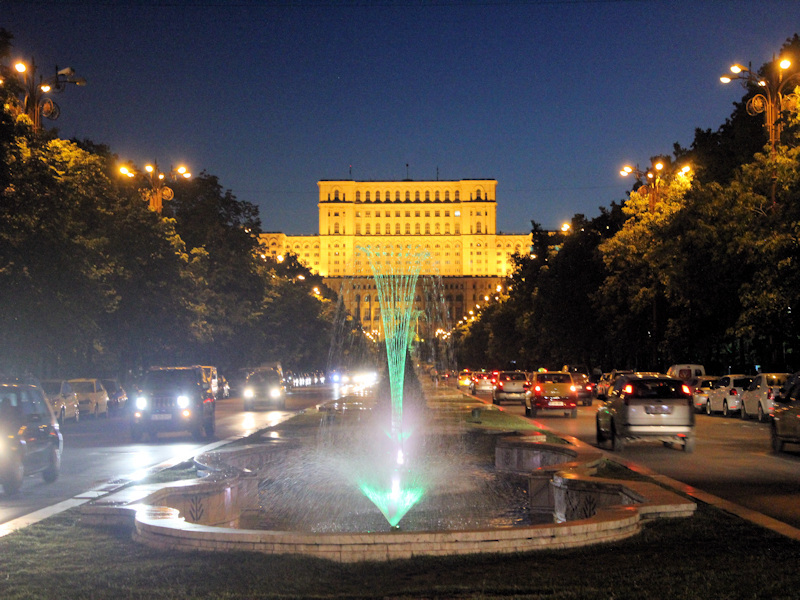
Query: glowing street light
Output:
(770,100)
(158,191)
(653,179)
(34,103)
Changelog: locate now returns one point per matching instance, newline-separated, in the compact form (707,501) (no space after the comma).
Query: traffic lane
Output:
(98,451)
(732,460)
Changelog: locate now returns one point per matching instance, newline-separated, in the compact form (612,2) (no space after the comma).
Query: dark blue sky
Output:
(550,98)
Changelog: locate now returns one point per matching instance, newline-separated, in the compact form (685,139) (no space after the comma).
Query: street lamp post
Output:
(771,100)
(158,191)
(35,103)
(653,179)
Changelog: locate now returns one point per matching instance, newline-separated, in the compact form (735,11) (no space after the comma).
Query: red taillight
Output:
(770,394)
(732,392)
(500,384)
(526,385)
(686,390)
(537,390)
(589,388)
(628,389)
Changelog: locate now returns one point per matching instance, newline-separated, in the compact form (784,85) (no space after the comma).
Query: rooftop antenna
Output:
(351,171)
(407,177)
(437,173)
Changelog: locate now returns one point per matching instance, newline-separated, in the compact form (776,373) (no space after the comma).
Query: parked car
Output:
(92,396)
(701,387)
(726,395)
(759,398)
(584,387)
(264,387)
(31,439)
(481,382)
(117,397)
(646,407)
(63,400)
(785,426)
(511,385)
(174,399)
(552,391)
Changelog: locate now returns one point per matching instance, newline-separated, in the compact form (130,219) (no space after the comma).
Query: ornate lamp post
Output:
(35,103)
(157,191)
(771,99)
(653,179)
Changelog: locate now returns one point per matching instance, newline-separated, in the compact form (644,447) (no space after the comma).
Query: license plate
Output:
(556,403)
(161,417)
(658,410)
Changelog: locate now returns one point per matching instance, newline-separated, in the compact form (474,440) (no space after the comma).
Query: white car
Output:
(701,387)
(92,396)
(726,396)
(63,400)
(759,398)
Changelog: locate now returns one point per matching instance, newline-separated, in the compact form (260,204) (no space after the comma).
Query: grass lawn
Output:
(711,555)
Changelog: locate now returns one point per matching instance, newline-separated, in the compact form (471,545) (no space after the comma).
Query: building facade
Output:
(450,225)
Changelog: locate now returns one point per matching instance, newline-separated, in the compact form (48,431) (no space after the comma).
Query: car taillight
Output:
(732,392)
(500,384)
(686,390)
(537,390)
(770,394)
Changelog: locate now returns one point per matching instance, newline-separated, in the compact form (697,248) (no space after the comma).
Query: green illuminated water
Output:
(395,275)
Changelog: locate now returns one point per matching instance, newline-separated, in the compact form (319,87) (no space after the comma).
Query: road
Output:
(732,459)
(100,451)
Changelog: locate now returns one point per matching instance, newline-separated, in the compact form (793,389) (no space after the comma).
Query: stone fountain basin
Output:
(203,514)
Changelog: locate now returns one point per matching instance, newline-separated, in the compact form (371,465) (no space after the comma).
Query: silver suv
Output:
(647,407)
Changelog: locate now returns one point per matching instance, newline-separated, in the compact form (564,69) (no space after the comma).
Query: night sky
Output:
(551,98)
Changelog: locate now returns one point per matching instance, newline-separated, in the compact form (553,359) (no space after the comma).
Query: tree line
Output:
(701,267)
(93,282)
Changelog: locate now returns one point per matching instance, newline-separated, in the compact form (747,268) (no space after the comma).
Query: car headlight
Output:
(141,403)
(183,401)
(249,393)
(275,392)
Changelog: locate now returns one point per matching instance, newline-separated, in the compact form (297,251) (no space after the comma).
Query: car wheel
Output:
(12,482)
(494,399)
(96,411)
(50,474)
(688,444)
(533,411)
(600,435)
(77,416)
(210,427)
(527,411)
(743,412)
(152,435)
(248,406)
(617,442)
(573,413)
(761,414)
(708,407)
(777,443)
(136,433)
(198,433)
(62,415)
(725,411)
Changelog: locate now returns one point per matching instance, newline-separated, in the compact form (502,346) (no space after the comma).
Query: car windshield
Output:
(83,387)
(51,387)
(512,377)
(267,377)
(110,385)
(773,380)
(656,388)
(554,378)
(171,377)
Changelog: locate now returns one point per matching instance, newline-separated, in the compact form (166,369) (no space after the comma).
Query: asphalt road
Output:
(732,460)
(100,451)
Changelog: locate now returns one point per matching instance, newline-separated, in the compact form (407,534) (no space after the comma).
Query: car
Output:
(510,385)
(31,439)
(585,388)
(117,397)
(63,400)
(646,407)
(607,382)
(464,378)
(92,396)
(726,395)
(785,426)
(759,397)
(686,372)
(264,387)
(481,382)
(174,399)
(552,390)
(701,386)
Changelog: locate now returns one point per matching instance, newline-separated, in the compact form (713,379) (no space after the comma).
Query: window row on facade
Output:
(478,195)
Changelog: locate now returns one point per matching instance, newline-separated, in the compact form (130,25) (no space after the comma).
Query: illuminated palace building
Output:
(452,223)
